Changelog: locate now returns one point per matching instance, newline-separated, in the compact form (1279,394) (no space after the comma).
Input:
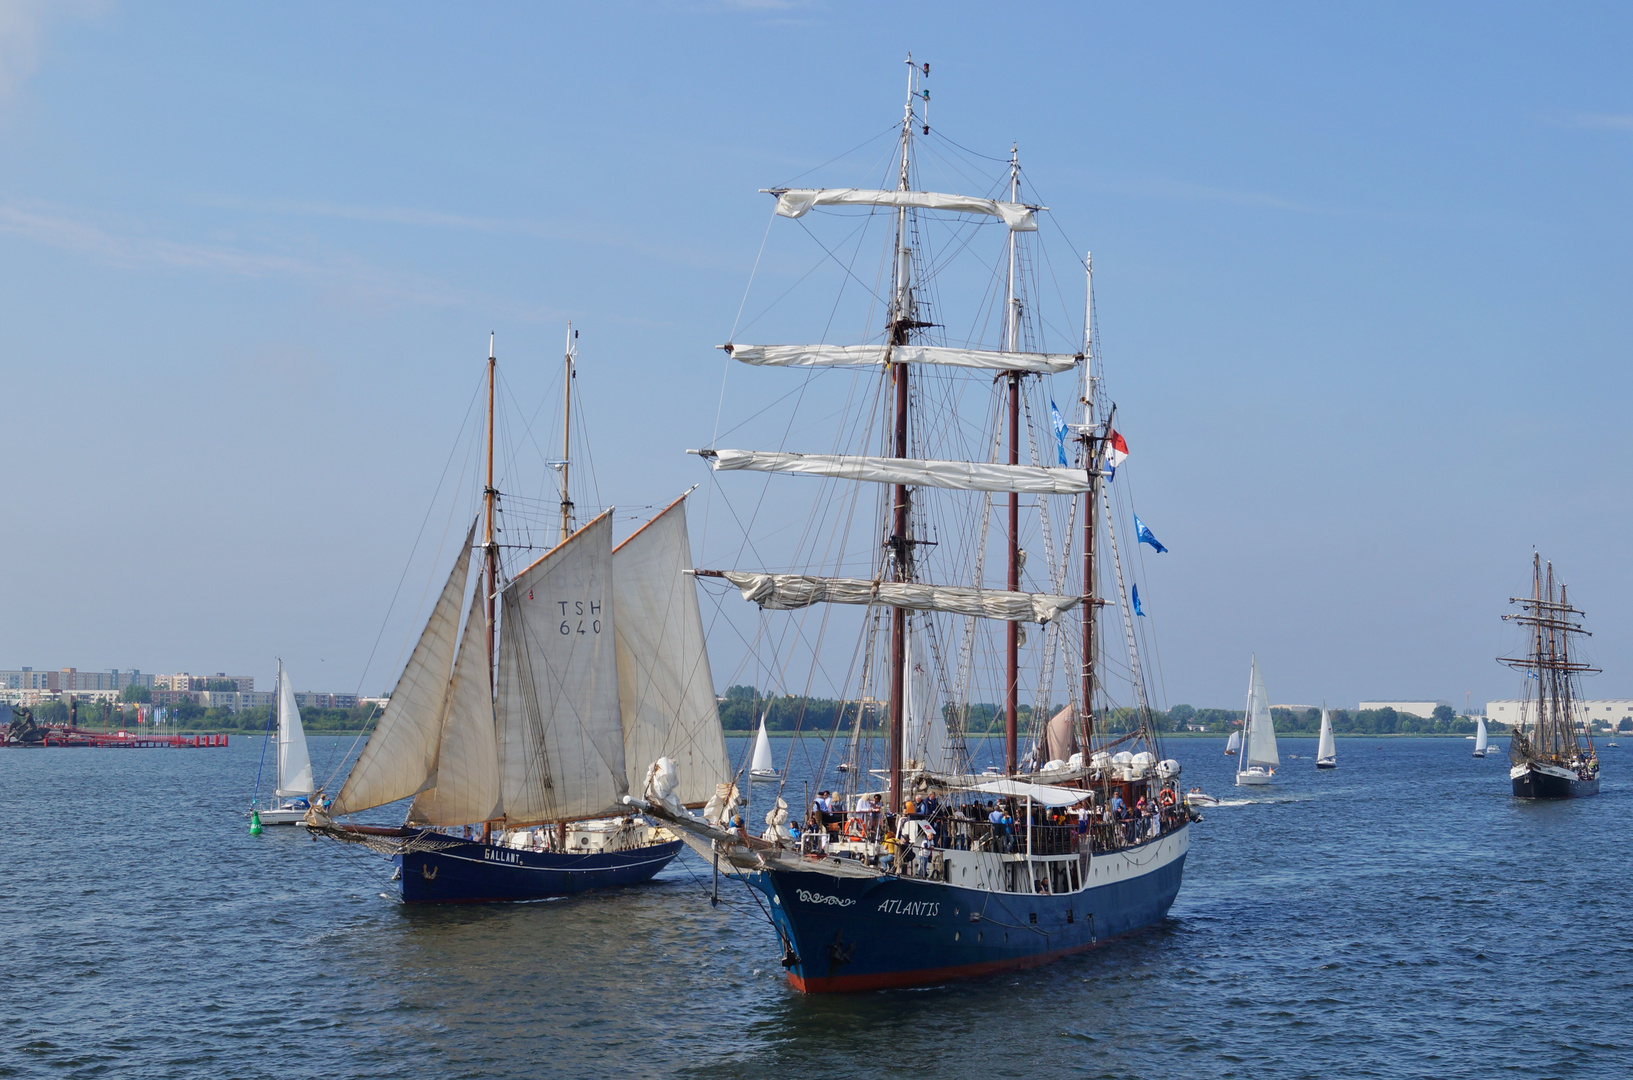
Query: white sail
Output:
(466,778)
(665,688)
(761,761)
(1260,748)
(1480,736)
(958,475)
(924,729)
(561,734)
(294,766)
(1324,750)
(797,202)
(877,355)
(786,592)
(1235,742)
(401,756)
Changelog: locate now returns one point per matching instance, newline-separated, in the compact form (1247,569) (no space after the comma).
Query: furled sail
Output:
(401,755)
(786,592)
(875,355)
(1261,736)
(959,475)
(797,202)
(294,766)
(561,735)
(665,687)
(466,778)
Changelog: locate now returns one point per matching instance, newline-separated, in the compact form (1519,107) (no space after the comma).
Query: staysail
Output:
(466,778)
(878,355)
(924,729)
(665,687)
(957,475)
(294,766)
(787,592)
(561,734)
(797,202)
(1324,750)
(1059,736)
(401,756)
(1261,736)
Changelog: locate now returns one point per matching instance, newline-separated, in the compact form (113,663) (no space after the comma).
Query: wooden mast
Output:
(490,549)
(1012,629)
(567,435)
(1091,508)
(901,549)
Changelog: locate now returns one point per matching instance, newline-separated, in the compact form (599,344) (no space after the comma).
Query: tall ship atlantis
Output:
(957,543)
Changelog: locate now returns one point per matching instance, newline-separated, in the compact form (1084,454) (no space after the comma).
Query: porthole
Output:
(777,900)
(956,935)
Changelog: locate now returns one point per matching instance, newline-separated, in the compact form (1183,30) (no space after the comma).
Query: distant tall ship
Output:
(1549,760)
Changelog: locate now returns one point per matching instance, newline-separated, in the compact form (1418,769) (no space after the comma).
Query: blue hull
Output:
(847,934)
(477,873)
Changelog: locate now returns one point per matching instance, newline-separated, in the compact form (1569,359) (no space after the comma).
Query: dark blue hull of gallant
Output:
(475,873)
(848,933)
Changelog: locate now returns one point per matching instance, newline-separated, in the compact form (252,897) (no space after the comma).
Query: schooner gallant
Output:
(517,768)
(929,871)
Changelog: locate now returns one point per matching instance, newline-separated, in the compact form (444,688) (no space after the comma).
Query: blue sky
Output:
(1361,271)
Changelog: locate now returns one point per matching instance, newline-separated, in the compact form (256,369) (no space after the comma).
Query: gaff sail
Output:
(561,734)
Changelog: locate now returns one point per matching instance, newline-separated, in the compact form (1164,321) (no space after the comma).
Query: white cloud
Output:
(132,251)
(22,32)
(1601,121)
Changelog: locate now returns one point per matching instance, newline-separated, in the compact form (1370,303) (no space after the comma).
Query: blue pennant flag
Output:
(1142,535)
(1137,610)
(1059,425)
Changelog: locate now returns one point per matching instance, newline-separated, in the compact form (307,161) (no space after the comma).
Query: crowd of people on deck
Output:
(1102,821)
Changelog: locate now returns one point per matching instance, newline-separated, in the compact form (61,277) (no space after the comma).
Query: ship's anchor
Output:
(838,952)
(789,956)
(429,873)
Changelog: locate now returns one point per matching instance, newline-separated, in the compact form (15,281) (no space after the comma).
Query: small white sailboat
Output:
(1326,755)
(1480,738)
(1258,760)
(293,788)
(761,767)
(1234,745)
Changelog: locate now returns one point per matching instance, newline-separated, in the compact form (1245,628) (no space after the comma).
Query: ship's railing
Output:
(1008,839)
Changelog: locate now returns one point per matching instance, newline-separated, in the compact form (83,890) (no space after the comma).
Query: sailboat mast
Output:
(1012,629)
(567,435)
(1091,510)
(900,326)
(489,548)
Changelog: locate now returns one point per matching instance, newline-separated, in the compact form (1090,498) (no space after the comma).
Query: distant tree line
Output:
(742,707)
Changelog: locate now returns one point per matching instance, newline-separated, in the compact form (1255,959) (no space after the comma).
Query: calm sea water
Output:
(1400,917)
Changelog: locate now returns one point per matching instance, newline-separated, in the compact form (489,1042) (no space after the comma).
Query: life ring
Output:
(854,829)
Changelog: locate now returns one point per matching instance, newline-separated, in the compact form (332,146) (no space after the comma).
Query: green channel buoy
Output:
(255,823)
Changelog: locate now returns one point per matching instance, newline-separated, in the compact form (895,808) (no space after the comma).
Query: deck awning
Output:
(1042,794)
